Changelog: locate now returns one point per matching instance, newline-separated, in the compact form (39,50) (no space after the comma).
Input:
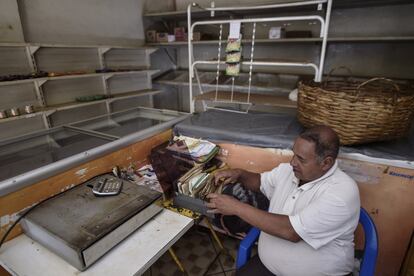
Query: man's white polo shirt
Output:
(324,213)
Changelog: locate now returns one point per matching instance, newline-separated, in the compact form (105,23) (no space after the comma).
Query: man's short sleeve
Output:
(268,182)
(323,220)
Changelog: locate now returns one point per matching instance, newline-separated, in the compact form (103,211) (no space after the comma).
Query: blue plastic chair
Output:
(369,256)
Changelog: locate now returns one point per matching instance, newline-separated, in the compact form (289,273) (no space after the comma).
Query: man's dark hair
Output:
(325,139)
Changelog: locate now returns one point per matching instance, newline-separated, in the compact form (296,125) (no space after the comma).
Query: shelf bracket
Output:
(39,83)
(101,53)
(103,50)
(39,92)
(108,76)
(30,50)
(105,86)
(46,122)
(149,51)
(49,112)
(33,49)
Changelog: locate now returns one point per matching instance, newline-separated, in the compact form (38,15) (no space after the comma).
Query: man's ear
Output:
(327,163)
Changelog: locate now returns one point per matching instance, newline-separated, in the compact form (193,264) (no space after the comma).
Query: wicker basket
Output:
(375,110)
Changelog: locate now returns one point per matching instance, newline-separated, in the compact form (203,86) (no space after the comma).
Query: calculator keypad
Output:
(107,186)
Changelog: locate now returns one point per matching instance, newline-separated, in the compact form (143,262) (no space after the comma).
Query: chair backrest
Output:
(369,257)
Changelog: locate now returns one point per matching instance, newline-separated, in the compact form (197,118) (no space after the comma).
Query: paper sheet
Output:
(235,30)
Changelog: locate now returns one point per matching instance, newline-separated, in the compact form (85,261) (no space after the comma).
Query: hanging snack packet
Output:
(233,69)
(233,57)
(233,45)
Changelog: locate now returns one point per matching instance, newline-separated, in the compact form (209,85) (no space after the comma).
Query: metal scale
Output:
(81,227)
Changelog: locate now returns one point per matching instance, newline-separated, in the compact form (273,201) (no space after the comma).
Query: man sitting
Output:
(313,212)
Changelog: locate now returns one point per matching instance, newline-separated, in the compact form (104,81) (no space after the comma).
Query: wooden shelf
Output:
(196,12)
(22,116)
(175,13)
(261,82)
(120,96)
(227,86)
(371,39)
(52,45)
(255,99)
(4,83)
(340,4)
(53,108)
(13,44)
(66,61)
(294,40)
(77,76)
(133,94)
(261,40)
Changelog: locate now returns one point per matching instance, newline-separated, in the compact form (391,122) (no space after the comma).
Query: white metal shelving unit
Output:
(318,68)
(364,36)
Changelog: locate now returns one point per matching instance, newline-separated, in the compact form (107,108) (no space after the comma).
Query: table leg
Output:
(177,261)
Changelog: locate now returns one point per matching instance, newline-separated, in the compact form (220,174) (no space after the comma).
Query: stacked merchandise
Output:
(146,177)
(200,151)
(143,176)
(185,168)
(233,57)
(198,182)
(233,50)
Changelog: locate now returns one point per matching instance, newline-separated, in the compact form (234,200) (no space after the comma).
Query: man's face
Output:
(306,166)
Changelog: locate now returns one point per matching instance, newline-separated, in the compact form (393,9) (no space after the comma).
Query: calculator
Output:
(107,186)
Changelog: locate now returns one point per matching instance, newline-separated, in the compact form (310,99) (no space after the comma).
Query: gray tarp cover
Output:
(277,130)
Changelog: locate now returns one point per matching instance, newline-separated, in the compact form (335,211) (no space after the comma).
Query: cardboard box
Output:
(298,34)
(196,36)
(171,38)
(179,33)
(151,35)
(162,37)
(276,33)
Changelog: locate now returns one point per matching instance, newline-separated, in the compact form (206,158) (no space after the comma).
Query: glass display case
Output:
(123,123)
(44,148)
(27,159)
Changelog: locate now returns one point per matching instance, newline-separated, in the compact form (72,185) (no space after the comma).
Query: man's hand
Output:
(227,176)
(273,224)
(223,204)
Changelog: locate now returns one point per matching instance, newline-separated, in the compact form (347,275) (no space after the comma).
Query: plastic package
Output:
(233,45)
(233,69)
(233,57)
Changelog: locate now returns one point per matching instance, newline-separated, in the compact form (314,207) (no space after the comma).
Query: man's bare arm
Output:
(273,224)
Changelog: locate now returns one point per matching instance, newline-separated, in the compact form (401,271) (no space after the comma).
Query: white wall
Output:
(10,27)
(82,21)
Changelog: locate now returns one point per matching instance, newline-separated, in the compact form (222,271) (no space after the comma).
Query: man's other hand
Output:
(227,176)
(223,204)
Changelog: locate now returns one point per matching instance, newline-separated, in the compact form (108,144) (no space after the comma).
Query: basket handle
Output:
(335,69)
(391,82)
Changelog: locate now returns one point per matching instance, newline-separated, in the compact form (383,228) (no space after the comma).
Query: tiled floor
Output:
(199,254)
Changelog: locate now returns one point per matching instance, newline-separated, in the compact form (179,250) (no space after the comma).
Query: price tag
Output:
(235,30)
